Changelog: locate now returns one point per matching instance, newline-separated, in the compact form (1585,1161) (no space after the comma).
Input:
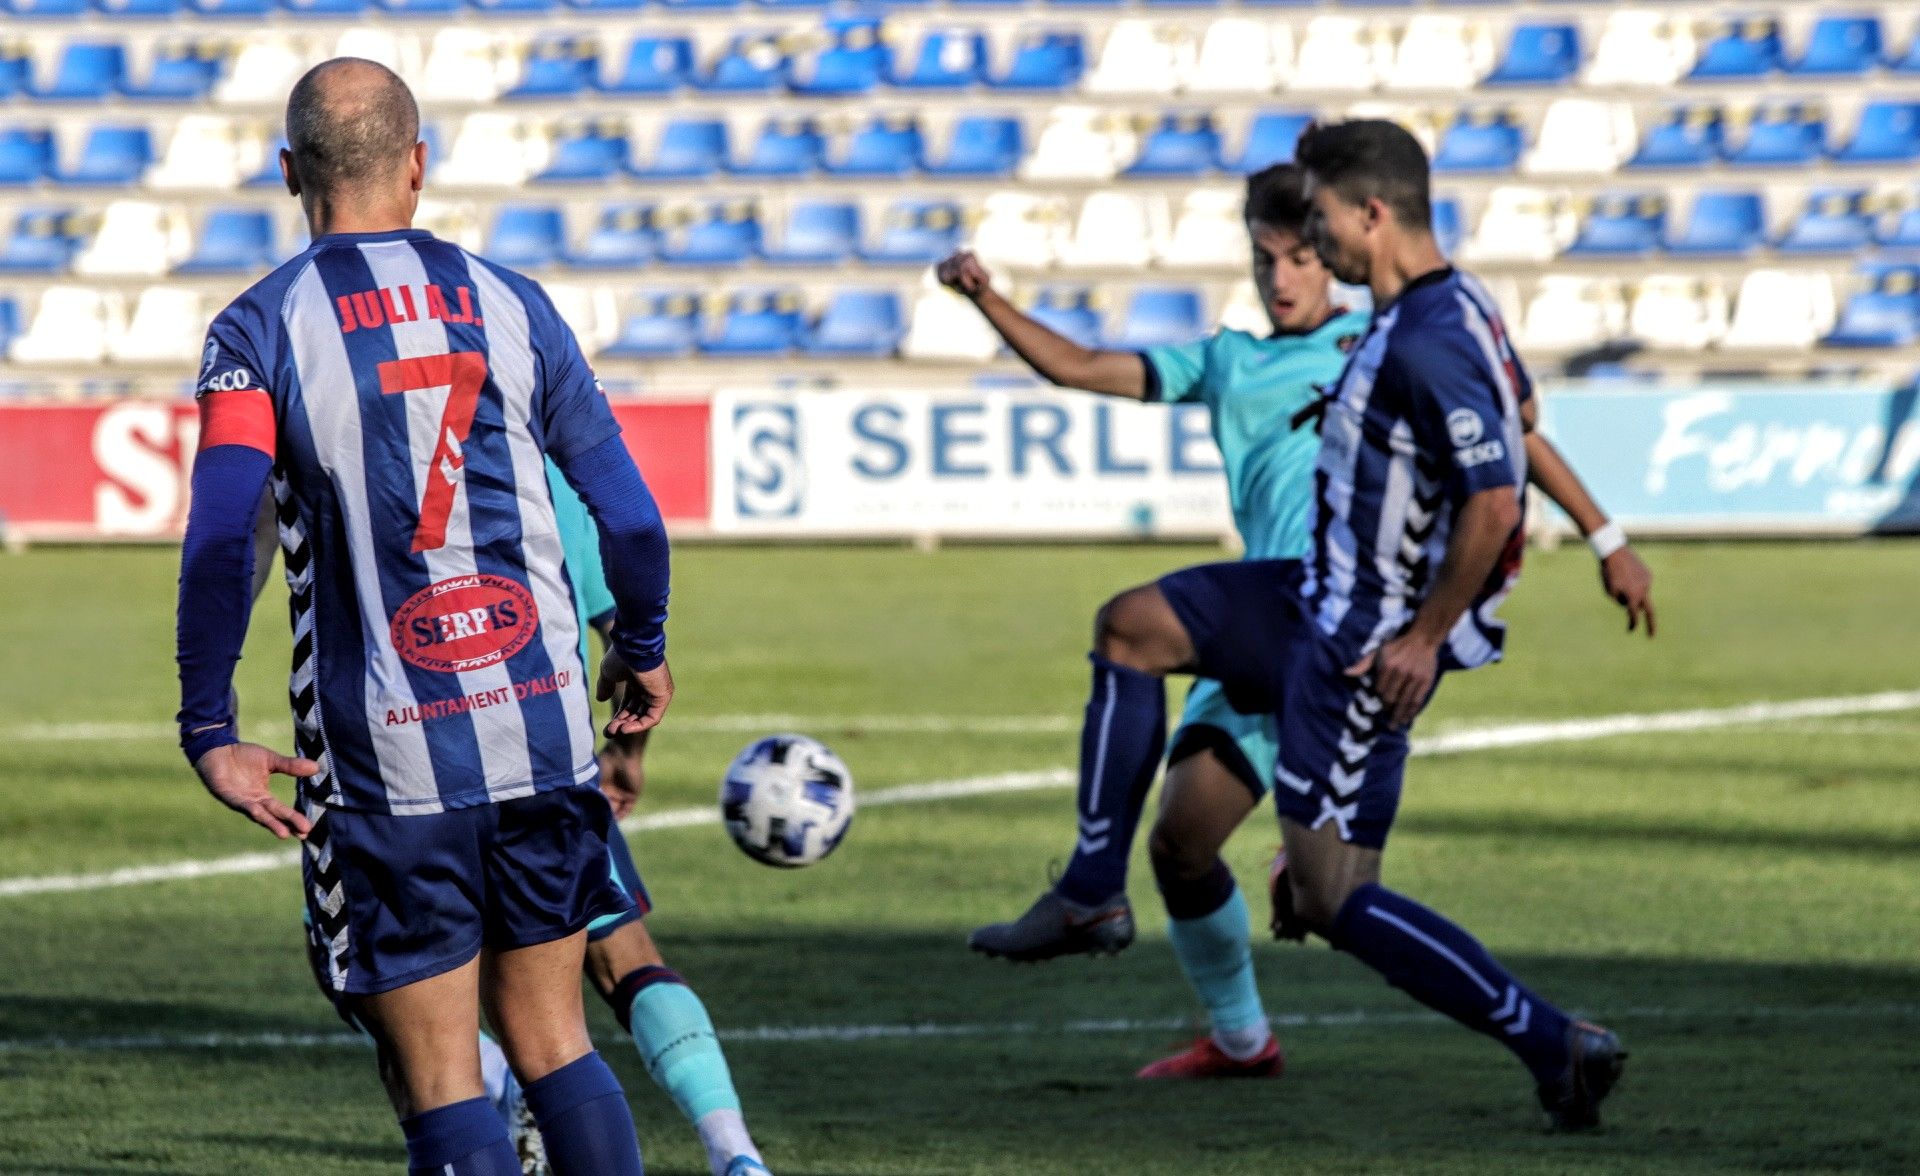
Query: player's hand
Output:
(1627,579)
(962,273)
(622,774)
(1404,671)
(639,698)
(239,776)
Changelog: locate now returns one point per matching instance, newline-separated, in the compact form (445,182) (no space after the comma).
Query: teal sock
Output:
(1216,953)
(681,1050)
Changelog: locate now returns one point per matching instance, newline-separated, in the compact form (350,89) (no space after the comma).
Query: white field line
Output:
(1450,743)
(920,1030)
(82,732)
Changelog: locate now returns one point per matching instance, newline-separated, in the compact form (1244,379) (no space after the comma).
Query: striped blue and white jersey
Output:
(1426,414)
(416,391)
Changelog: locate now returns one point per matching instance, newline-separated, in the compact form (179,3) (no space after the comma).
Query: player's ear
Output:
(417,166)
(287,173)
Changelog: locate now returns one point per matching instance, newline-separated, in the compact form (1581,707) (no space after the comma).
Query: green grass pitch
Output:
(1743,904)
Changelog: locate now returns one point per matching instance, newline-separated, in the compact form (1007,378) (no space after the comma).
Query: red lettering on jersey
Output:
(406,296)
(393,308)
(366,308)
(345,306)
(466,308)
(436,304)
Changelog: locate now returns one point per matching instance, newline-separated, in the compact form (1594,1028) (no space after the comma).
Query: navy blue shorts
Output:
(626,876)
(1242,617)
(392,900)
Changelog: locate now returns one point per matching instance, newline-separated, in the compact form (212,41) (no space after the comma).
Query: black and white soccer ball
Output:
(787,800)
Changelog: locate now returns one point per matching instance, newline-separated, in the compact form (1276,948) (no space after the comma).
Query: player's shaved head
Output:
(351,124)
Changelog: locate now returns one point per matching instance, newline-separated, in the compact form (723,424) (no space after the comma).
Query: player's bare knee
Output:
(1174,858)
(1126,632)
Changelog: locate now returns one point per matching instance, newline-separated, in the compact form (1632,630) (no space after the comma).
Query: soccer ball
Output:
(787,800)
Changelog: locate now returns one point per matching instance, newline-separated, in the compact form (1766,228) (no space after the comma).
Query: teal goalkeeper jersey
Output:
(581,541)
(1253,387)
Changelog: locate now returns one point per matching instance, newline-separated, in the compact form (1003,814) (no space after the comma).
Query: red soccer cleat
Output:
(1204,1059)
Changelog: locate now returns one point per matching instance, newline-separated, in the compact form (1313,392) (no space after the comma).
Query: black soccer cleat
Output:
(1054,926)
(1594,1062)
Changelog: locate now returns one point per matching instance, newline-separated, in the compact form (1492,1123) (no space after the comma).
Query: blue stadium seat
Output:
(667,327)
(136,9)
(751,63)
(1159,317)
(269,173)
(26,155)
(513,7)
(890,145)
(1449,224)
(785,147)
(1271,139)
(728,234)
(607,5)
(1044,61)
(43,241)
(586,152)
(1480,141)
(1782,134)
(45,9)
(1538,53)
(338,8)
(982,145)
(421,8)
(1835,220)
(784,4)
(88,71)
(1886,314)
(818,233)
(1748,47)
(181,73)
(758,322)
(948,59)
(1721,223)
(111,155)
(1690,136)
(1622,225)
(627,236)
(527,236)
(232,9)
(1841,45)
(655,65)
(1888,132)
(9,323)
(983,3)
(1909,60)
(853,63)
(16,69)
(917,232)
(1904,232)
(858,322)
(690,148)
(1182,145)
(558,67)
(1070,313)
(681,5)
(233,241)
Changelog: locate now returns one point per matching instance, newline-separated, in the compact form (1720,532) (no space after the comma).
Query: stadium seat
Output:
(137,9)
(1573,314)
(466,65)
(233,241)
(422,9)
(1181,145)
(784,147)
(916,232)
(1521,224)
(1079,143)
(1207,232)
(727,234)
(1677,312)
(1440,51)
(43,242)
(495,150)
(180,73)
(981,145)
(9,323)
(558,67)
(946,327)
(1116,230)
(1835,220)
(1903,232)
(1778,310)
(1043,61)
(1021,229)
(166,327)
(1689,136)
(1621,225)
(71,325)
(267,172)
(854,62)
(16,70)
(947,59)
(1141,57)
(627,236)
(889,145)
(86,72)
(1157,317)
(1721,223)
(111,155)
(689,149)
(45,9)
(1242,56)
(1888,132)
(667,326)
(586,152)
(857,322)
(1642,47)
(1781,133)
(1841,45)
(655,65)
(1907,61)
(590,312)
(1449,224)
(251,10)
(757,323)
(1747,47)
(399,49)
(1068,312)
(527,236)
(1341,53)
(818,233)
(264,68)
(1885,314)
(26,155)
(751,63)
(135,238)
(1538,54)
(1271,139)
(1480,141)
(1582,136)
(1242,310)
(319,8)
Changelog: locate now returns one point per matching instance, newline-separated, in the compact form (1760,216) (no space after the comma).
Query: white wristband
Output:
(1607,540)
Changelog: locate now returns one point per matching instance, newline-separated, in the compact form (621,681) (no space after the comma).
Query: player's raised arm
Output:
(1055,357)
(1623,575)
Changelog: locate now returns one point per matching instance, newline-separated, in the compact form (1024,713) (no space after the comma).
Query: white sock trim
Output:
(1243,1044)
(724,1132)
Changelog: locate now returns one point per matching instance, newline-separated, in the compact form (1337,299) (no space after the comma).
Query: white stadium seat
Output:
(72,324)
(1116,230)
(453,221)
(592,312)
(1241,56)
(1639,47)
(136,238)
(1678,312)
(494,150)
(1572,313)
(167,325)
(1583,136)
(945,326)
(1242,310)
(467,65)
(1341,53)
(1521,224)
(1778,309)
(206,151)
(1142,57)
(1208,233)
(261,73)
(1441,52)
(1020,230)
(1080,143)
(399,52)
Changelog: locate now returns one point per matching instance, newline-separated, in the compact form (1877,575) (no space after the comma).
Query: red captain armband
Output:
(237,418)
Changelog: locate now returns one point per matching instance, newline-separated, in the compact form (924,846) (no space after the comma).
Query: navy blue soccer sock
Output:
(584,1120)
(1124,734)
(1446,969)
(460,1139)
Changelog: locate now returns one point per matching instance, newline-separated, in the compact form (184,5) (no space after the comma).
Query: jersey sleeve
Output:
(1176,372)
(570,407)
(1458,415)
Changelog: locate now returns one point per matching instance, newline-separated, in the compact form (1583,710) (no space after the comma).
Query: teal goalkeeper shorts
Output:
(1248,745)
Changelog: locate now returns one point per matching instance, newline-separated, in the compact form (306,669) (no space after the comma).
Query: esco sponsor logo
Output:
(1466,459)
(232,380)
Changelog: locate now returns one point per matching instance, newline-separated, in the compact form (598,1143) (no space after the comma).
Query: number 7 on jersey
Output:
(462,373)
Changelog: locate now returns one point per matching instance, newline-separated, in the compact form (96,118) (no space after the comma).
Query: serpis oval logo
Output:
(464,623)
(1463,425)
